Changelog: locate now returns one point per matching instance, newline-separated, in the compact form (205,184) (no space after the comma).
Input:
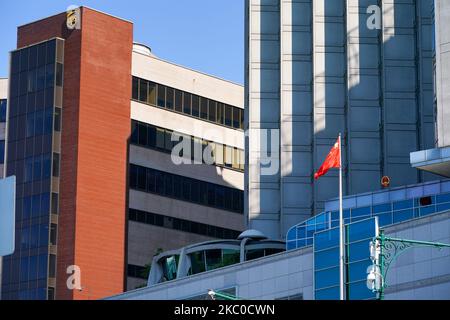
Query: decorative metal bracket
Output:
(386,252)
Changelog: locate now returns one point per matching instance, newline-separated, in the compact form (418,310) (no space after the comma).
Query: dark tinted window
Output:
(169,98)
(187,103)
(195,105)
(204,108)
(228,115)
(212,111)
(178,101)
(135,90)
(143,90)
(161,96)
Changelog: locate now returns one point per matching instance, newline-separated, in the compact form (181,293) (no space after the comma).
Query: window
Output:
(143,90)
(57,119)
(220,113)
(169,98)
(186,189)
(161,96)
(228,115)
(236,118)
(55,203)
(178,101)
(50,75)
(3,110)
(212,110)
(203,108)
(53,234)
(52,266)
(142,134)
(151,99)
(187,103)
(195,106)
(59,74)
(135,90)
(2,151)
(55,164)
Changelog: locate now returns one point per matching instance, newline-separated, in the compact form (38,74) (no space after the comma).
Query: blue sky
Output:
(206,35)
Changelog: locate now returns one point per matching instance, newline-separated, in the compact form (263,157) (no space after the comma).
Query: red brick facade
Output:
(95,130)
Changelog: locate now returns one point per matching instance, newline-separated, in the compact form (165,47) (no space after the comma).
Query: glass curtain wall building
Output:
(413,202)
(33,155)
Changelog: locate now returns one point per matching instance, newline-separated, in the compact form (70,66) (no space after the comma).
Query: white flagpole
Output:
(341,226)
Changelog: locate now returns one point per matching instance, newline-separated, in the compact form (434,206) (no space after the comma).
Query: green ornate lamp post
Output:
(383,252)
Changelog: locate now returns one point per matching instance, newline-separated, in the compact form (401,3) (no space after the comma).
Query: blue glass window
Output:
(424,211)
(359,291)
(327,294)
(360,212)
(406,204)
(384,219)
(358,250)
(301,232)
(443,207)
(323,258)
(326,278)
(403,215)
(325,240)
(291,235)
(442,198)
(358,270)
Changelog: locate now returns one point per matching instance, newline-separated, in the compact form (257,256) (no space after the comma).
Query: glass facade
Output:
(389,213)
(186,103)
(31,158)
(186,189)
(357,259)
(152,137)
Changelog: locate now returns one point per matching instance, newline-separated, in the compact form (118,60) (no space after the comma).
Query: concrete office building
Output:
(3,102)
(303,272)
(438,160)
(314,69)
(89,139)
(170,219)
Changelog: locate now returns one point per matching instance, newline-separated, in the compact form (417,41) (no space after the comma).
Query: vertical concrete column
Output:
(263,89)
(296,117)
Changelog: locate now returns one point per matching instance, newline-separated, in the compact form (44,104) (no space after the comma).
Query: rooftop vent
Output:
(252,234)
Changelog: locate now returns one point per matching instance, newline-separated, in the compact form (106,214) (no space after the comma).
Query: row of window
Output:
(160,139)
(37,236)
(36,80)
(37,205)
(187,103)
(36,124)
(29,268)
(33,57)
(22,149)
(31,102)
(186,189)
(182,225)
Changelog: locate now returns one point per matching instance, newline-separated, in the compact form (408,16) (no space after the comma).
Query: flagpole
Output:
(341,226)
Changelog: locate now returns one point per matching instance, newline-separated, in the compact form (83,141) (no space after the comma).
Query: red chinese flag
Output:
(333,160)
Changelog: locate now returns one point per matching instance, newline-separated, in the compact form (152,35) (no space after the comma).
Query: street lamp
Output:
(383,252)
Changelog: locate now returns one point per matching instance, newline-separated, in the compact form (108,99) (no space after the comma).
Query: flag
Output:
(333,160)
